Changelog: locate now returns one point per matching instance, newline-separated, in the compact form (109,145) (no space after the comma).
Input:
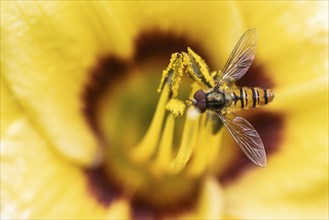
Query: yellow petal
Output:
(44,66)
(46,60)
(210,203)
(292,39)
(35,182)
(294,185)
(295,182)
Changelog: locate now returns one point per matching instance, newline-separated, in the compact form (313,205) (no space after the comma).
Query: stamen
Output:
(166,74)
(198,70)
(173,74)
(207,147)
(164,155)
(147,146)
(188,141)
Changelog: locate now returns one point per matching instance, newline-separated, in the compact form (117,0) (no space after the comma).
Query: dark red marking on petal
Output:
(159,44)
(270,127)
(256,77)
(141,210)
(100,187)
(106,72)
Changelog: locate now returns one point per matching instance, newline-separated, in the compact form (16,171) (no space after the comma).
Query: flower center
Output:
(152,155)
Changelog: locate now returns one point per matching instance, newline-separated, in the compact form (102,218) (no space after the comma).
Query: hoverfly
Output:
(226,98)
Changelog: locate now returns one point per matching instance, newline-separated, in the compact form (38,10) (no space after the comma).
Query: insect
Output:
(226,98)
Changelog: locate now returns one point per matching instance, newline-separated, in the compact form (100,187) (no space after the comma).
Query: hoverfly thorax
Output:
(216,100)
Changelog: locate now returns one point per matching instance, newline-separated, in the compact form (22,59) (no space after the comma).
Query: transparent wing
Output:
(247,138)
(240,59)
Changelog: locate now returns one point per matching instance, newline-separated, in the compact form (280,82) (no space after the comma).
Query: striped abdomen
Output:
(245,97)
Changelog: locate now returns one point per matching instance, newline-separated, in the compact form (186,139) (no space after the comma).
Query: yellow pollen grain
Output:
(176,107)
(177,75)
(203,68)
(167,71)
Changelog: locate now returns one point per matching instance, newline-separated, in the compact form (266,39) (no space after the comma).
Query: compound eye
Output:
(200,98)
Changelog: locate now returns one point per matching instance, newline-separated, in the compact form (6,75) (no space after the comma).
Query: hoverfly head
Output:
(199,101)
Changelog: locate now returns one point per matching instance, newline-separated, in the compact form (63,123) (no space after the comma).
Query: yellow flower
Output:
(82,135)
